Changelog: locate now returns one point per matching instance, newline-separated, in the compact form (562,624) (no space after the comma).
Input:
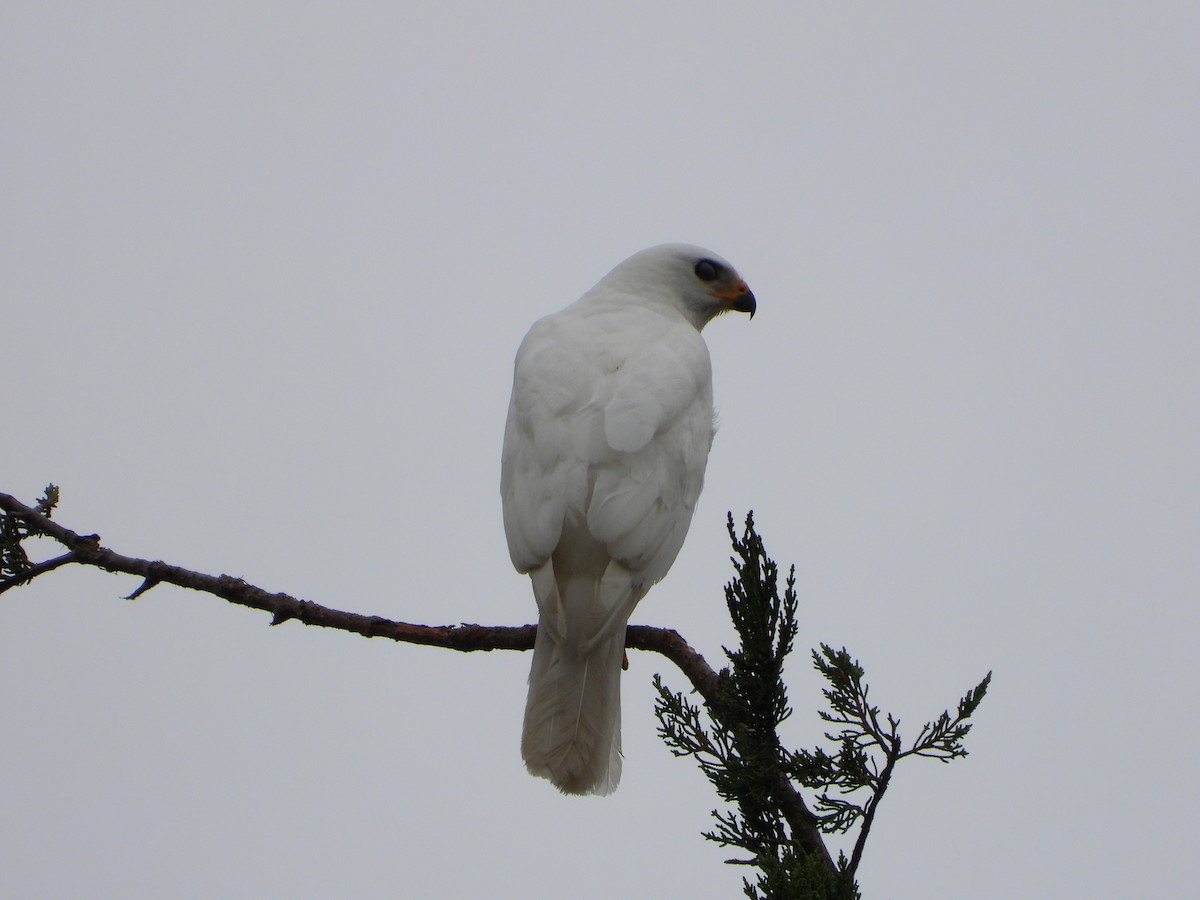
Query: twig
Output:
(35,570)
(885,777)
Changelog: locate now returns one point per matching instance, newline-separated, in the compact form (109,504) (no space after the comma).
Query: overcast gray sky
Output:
(265,267)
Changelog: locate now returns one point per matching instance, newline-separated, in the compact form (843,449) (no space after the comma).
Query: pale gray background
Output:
(265,267)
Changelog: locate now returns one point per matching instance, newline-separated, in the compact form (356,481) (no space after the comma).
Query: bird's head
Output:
(696,281)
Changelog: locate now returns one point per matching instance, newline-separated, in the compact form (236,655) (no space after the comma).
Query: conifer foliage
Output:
(734,738)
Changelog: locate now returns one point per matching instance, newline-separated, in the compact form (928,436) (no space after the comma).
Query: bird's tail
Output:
(572,733)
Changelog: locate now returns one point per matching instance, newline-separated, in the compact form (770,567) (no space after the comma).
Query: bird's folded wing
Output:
(611,419)
(545,459)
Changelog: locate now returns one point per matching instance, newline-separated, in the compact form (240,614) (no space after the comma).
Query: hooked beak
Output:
(739,298)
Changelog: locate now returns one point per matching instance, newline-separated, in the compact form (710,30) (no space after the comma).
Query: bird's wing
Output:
(659,419)
(664,370)
(610,420)
(554,419)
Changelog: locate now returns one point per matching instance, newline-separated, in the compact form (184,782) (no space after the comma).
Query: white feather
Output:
(607,439)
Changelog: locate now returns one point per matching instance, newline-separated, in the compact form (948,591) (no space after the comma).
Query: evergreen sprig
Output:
(869,747)
(14,562)
(735,741)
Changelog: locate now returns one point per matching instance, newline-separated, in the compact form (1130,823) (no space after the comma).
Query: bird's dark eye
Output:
(707,270)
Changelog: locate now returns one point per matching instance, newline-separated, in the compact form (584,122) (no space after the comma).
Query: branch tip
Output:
(146,585)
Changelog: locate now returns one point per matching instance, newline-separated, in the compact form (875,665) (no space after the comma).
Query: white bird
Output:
(608,434)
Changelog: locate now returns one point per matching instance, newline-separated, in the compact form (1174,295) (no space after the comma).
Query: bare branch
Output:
(87,550)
